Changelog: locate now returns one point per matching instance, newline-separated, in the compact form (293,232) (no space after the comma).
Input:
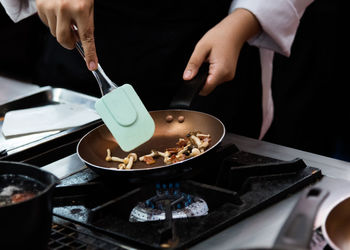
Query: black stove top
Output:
(180,212)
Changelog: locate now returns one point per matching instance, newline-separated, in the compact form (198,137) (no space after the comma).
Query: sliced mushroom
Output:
(199,143)
(174,150)
(152,154)
(108,157)
(196,140)
(132,157)
(193,144)
(180,157)
(121,166)
(183,150)
(129,165)
(204,145)
(183,142)
(195,152)
(166,155)
(149,160)
(117,159)
(126,160)
(202,136)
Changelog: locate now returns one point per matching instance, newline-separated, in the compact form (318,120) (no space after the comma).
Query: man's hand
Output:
(221,46)
(60,15)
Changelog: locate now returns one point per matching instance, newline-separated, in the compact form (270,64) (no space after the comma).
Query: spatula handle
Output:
(105,84)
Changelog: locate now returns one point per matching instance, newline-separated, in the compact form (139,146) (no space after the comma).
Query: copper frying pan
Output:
(92,148)
(297,231)
(336,228)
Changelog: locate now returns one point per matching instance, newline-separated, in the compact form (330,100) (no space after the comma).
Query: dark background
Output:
(309,87)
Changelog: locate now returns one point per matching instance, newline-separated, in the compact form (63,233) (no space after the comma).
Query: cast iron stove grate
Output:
(235,187)
(67,235)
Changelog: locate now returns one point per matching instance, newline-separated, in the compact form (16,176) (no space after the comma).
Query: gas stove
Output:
(98,213)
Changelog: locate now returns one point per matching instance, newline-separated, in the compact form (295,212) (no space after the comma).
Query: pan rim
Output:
(323,226)
(47,187)
(158,167)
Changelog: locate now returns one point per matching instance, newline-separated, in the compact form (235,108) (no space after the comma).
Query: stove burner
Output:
(235,185)
(183,205)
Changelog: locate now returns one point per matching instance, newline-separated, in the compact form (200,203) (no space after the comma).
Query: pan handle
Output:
(190,89)
(297,231)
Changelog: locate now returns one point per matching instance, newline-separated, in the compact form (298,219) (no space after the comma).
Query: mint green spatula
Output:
(122,111)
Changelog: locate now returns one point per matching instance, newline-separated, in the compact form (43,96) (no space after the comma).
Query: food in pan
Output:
(193,144)
(125,163)
(17,188)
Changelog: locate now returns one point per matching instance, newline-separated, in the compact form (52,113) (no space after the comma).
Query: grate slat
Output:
(68,236)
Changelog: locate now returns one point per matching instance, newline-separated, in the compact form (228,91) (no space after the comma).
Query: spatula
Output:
(122,111)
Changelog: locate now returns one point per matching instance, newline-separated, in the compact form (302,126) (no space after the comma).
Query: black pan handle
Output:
(297,231)
(189,89)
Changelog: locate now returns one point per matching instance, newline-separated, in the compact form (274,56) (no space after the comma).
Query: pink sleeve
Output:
(279,20)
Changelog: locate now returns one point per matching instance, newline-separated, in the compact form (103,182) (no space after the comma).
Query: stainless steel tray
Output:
(43,96)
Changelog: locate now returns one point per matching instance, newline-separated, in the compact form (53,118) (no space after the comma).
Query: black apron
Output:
(148,44)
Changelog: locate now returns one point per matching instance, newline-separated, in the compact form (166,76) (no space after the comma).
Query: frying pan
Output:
(297,231)
(336,228)
(92,148)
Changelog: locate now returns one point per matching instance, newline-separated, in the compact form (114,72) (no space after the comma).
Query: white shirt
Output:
(279,20)
(19,9)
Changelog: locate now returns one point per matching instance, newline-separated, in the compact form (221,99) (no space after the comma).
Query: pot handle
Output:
(190,89)
(297,231)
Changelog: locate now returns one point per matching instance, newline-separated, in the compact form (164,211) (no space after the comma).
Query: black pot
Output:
(27,224)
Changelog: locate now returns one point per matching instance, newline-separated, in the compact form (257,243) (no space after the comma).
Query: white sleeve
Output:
(19,9)
(279,20)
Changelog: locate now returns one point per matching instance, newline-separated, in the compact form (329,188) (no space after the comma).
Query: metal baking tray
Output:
(22,148)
